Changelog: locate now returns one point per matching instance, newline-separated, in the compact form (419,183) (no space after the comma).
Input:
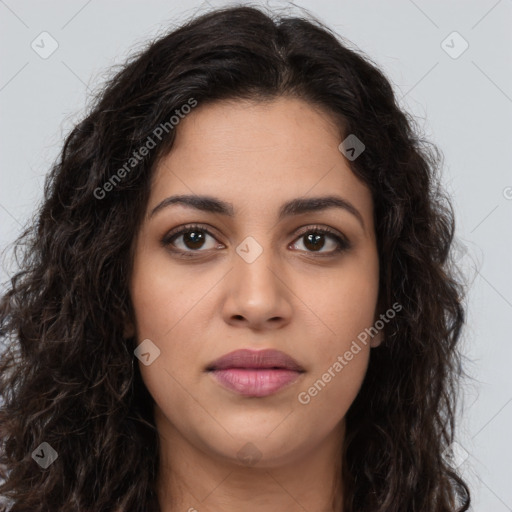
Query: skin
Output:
(256,156)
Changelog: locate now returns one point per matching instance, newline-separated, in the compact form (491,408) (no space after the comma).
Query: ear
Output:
(129,329)
(379,337)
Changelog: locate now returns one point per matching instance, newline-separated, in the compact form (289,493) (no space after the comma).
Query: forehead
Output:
(259,154)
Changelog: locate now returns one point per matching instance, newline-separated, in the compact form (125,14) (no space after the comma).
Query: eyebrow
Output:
(294,207)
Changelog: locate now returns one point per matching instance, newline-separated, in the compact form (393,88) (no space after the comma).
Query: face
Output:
(250,278)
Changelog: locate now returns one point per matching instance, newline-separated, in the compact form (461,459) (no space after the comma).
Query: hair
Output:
(67,376)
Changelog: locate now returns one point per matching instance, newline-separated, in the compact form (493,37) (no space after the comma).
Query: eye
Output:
(314,240)
(193,239)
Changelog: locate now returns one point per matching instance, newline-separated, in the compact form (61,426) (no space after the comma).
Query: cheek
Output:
(346,310)
(344,306)
(164,305)
(336,379)
(172,379)
(167,315)
(163,295)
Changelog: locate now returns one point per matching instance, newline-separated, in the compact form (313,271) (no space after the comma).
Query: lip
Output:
(255,359)
(253,373)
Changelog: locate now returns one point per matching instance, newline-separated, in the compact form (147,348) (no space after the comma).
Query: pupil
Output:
(194,239)
(314,240)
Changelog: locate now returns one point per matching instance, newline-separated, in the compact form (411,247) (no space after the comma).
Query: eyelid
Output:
(321,228)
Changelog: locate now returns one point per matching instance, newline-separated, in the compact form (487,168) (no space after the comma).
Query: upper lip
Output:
(255,359)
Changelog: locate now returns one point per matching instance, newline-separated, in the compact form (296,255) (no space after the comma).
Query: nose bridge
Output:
(256,291)
(255,263)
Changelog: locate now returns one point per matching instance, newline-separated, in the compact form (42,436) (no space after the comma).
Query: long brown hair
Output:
(67,376)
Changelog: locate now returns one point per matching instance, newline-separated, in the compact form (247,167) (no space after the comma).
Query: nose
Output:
(257,294)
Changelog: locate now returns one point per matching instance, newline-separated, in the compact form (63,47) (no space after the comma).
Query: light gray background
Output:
(463,104)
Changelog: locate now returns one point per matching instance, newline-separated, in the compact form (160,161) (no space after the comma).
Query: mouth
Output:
(255,373)
(256,360)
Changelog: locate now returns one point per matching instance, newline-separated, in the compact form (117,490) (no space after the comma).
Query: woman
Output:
(238,294)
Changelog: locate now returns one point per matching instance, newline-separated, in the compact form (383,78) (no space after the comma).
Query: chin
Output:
(257,446)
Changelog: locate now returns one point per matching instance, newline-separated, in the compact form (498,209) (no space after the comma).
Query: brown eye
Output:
(188,240)
(193,239)
(315,240)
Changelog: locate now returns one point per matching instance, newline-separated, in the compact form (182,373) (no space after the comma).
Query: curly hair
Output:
(67,375)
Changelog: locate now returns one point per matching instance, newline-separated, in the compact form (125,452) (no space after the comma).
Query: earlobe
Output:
(129,330)
(377,339)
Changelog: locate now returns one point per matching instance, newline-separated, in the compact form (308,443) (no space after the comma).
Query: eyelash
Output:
(343,244)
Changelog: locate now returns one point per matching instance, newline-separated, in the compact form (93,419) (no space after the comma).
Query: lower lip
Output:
(253,382)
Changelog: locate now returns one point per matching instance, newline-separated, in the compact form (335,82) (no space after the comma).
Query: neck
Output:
(194,479)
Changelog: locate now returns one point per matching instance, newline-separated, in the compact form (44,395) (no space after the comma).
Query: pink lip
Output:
(255,373)
(256,383)
(256,359)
